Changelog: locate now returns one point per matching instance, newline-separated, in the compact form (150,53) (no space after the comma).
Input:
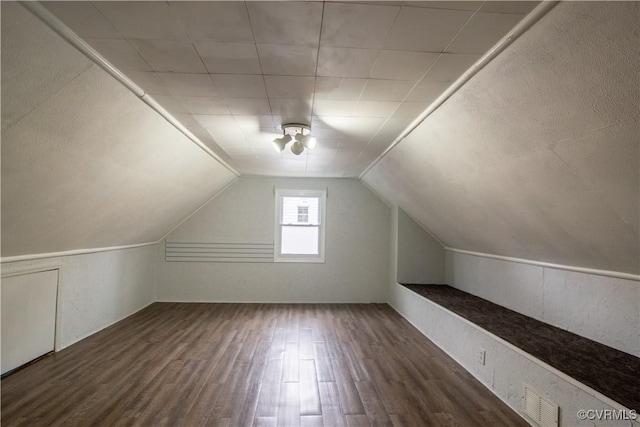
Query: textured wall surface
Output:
(604,309)
(356,267)
(95,290)
(421,258)
(505,369)
(99,289)
(85,163)
(537,156)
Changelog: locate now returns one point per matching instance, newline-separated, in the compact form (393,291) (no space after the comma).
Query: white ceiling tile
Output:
(223,21)
(189,121)
(171,103)
(240,86)
(388,133)
(375,109)
(262,141)
(346,62)
(83,18)
(323,130)
(356,25)
(338,88)
(410,109)
(170,55)
(182,84)
(291,23)
(292,110)
(333,107)
(450,66)
(509,6)
(205,105)
(288,60)
(149,82)
(482,32)
(427,30)
(232,58)
(289,86)
(223,129)
(402,65)
(427,91)
(454,5)
(144,20)
(252,124)
(386,90)
(248,106)
(120,53)
(222,123)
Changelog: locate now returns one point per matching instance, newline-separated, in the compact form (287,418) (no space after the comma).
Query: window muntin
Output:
(299,226)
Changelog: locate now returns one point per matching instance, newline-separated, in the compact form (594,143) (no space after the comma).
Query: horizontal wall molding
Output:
(17,258)
(218,252)
(607,273)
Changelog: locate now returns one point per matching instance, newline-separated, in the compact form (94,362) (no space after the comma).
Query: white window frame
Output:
(322,197)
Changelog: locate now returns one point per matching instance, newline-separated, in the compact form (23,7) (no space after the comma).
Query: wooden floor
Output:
(252,364)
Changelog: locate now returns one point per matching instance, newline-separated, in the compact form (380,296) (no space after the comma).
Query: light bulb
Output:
(297,147)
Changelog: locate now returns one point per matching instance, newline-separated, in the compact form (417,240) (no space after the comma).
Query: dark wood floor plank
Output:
(309,393)
(270,391)
(332,413)
(289,405)
(179,364)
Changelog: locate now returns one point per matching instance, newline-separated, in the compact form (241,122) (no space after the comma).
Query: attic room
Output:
(320,213)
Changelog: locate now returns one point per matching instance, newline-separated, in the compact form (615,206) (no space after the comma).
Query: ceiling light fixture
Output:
(301,134)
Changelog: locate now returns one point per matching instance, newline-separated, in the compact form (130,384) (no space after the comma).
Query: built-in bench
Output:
(606,370)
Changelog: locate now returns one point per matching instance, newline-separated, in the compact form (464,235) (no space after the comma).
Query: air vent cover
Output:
(541,411)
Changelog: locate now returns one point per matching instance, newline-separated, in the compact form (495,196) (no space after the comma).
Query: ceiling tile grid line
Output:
(359,61)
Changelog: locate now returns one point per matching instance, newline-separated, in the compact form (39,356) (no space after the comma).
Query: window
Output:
(299,226)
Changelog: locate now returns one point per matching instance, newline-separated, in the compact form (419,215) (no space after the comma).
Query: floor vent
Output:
(540,410)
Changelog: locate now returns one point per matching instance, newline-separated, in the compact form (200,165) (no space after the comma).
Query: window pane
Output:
(299,240)
(303,214)
(291,206)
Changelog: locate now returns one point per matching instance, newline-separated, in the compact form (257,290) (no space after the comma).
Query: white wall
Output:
(604,309)
(96,290)
(506,368)
(421,258)
(356,267)
(28,317)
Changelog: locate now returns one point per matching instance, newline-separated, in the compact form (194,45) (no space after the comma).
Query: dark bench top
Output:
(611,372)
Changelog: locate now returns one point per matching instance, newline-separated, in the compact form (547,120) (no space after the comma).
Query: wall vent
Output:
(541,411)
(218,252)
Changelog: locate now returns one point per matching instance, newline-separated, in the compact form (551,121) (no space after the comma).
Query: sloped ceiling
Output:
(537,156)
(233,72)
(85,163)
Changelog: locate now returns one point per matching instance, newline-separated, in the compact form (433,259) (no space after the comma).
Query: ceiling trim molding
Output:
(541,10)
(72,38)
(606,273)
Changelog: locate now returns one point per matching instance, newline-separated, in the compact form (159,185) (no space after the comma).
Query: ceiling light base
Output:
(298,132)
